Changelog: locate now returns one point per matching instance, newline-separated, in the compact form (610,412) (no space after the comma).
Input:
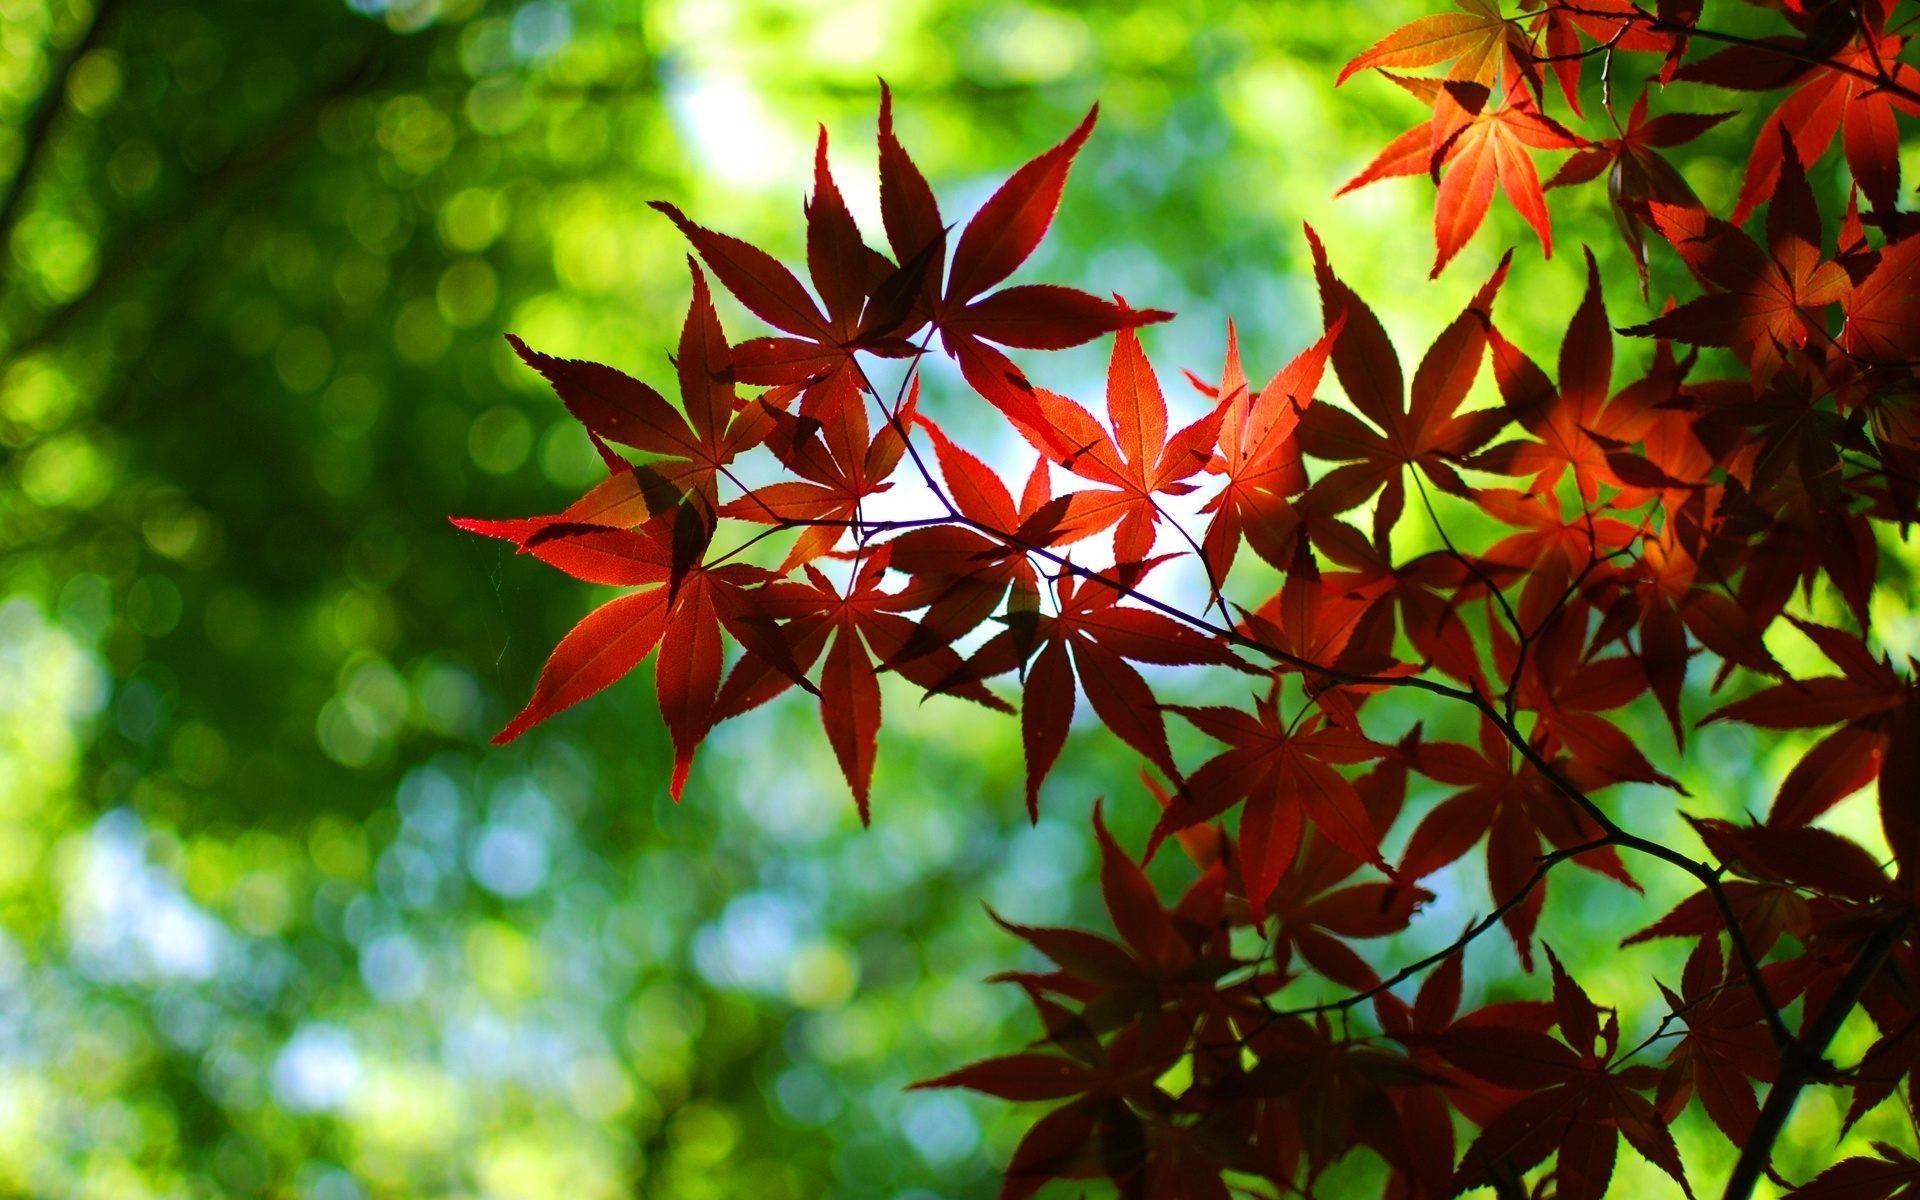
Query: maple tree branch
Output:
(1546,863)
(1805,1058)
(1708,876)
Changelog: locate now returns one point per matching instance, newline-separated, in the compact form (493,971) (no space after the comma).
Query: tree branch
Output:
(1805,1058)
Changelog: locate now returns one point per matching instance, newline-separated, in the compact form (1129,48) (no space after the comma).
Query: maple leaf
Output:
(1137,462)
(1764,912)
(1506,800)
(1551,549)
(1420,1026)
(1895,1175)
(1661,596)
(846,273)
(1764,302)
(1166,966)
(868,303)
(1726,1048)
(1569,688)
(1285,774)
(1637,175)
(1491,149)
(1809,858)
(837,472)
(1869,701)
(1576,425)
(1316,917)
(1008,227)
(691,449)
(680,611)
(1099,1131)
(1326,1094)
(868,634)
(1328,623)
(970,572)
(1260,456)
(1425,430)
(1471,147)
(1426,590)
(1093,637)
(1579,1102)
(1883,307)
(1474,40)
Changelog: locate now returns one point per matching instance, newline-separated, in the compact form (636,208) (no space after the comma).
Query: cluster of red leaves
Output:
(1679,515)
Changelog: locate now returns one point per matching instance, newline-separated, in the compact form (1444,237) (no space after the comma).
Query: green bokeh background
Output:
(274,920)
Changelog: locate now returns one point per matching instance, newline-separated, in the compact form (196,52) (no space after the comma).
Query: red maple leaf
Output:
(1512,805)
(1259,455)
(1870,702)
(1094,637)
(1137,462)
(1475,41)
(1316,917)
(867,635)
(1579,1102)
(1424,430)
(1727,1045)
(1764,303)
(837,472)
(681,612)
(690,451)
(1830,96)
(1471,147)
(1637,175)
(1285,773)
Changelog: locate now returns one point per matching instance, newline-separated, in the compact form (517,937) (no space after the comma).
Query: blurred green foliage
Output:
(274,921)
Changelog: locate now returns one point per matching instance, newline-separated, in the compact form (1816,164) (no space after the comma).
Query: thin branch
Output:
(1546,863)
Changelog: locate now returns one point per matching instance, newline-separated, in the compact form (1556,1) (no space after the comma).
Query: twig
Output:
(1547,862)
